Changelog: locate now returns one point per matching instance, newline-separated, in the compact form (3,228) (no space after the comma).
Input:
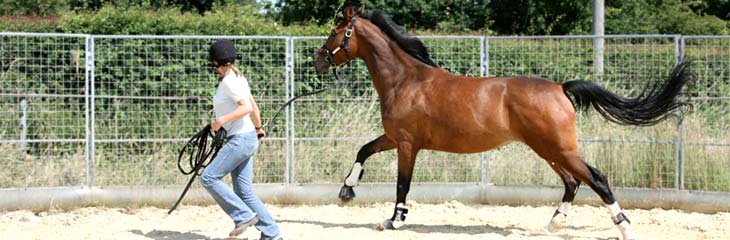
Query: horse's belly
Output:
(467,143)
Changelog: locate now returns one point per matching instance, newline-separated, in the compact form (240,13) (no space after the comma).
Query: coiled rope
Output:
(199,154)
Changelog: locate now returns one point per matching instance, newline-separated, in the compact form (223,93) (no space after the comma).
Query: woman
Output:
(236,111)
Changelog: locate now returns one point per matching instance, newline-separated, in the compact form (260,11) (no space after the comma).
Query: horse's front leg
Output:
(406,161)
(380,144)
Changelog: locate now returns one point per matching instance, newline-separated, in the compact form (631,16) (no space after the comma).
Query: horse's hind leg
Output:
(381,143)
(597,181)
(571,189)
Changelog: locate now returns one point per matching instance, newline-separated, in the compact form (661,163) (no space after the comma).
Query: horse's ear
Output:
(349,12)
(360,10)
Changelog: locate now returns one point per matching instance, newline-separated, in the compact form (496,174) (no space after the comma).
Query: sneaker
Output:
(241,227)
(268,238)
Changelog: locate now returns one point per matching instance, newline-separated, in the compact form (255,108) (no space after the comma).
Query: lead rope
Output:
(276,115)
(199,155)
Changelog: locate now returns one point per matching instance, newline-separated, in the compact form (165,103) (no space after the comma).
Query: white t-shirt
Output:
(231,89)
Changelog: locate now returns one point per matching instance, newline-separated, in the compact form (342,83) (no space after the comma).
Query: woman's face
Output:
(218,69)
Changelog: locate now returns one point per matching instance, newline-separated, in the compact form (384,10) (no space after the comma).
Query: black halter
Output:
(330,55)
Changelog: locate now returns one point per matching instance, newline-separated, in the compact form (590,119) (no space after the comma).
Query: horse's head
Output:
(340,46)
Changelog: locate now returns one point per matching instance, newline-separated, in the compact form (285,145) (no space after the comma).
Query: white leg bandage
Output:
(354,178)
(621,221)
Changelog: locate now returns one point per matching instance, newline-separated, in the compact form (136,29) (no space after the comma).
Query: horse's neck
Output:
(388,66)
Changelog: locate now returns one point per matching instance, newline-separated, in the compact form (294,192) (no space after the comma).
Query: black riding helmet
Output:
(223,52)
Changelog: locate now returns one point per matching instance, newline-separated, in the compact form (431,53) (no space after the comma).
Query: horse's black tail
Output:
(653,105)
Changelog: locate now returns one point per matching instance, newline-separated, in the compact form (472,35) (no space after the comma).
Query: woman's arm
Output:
(256,119)
(255,114)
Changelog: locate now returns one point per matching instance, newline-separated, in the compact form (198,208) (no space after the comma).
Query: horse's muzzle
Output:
(321,65)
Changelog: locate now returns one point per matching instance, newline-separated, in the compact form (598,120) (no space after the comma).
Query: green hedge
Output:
(222,20)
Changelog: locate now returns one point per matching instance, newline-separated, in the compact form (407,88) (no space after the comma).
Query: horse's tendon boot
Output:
(398,219)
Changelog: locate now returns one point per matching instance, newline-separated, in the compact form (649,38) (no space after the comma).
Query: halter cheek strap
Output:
(330,55)
(346,42)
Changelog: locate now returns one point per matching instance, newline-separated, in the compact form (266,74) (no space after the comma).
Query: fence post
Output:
(23,122)
(484,167)
(598,37)
(679,142)
(484,156)
(680,167)
(485,57)
(89,105)
(289,59)
(290,113)
(598,45)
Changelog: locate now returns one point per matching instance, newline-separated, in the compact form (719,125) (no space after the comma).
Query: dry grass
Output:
(630,156)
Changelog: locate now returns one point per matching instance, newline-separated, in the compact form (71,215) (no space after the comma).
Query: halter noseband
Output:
(330,55)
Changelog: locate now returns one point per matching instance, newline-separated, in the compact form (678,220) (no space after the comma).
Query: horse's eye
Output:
(333,33)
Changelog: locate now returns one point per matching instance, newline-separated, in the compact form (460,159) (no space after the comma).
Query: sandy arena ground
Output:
(450,220)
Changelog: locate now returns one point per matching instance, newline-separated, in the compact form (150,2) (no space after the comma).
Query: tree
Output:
(677,17)
(200,6)
(444,15)
(718,8)
(662,17)
(631,17)
(540,17)
(447,15)
(31,8)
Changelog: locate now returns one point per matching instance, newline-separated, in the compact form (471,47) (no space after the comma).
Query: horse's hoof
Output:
(347,193)
(390,225)
(556,223)
(626,231)
(551,228)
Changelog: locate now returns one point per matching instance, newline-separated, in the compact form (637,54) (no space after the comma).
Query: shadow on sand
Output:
(457,229)
(173,235)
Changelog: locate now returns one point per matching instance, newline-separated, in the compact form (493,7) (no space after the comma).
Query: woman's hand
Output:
(261,133)
(216,124)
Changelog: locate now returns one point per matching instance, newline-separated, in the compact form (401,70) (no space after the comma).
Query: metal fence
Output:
(98,111)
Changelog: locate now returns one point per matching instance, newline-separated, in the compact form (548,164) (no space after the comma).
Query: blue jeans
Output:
(236,158)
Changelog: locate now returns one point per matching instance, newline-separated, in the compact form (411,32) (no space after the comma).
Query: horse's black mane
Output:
(412,45)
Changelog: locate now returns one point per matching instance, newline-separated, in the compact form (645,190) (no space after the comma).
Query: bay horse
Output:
(423,106)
